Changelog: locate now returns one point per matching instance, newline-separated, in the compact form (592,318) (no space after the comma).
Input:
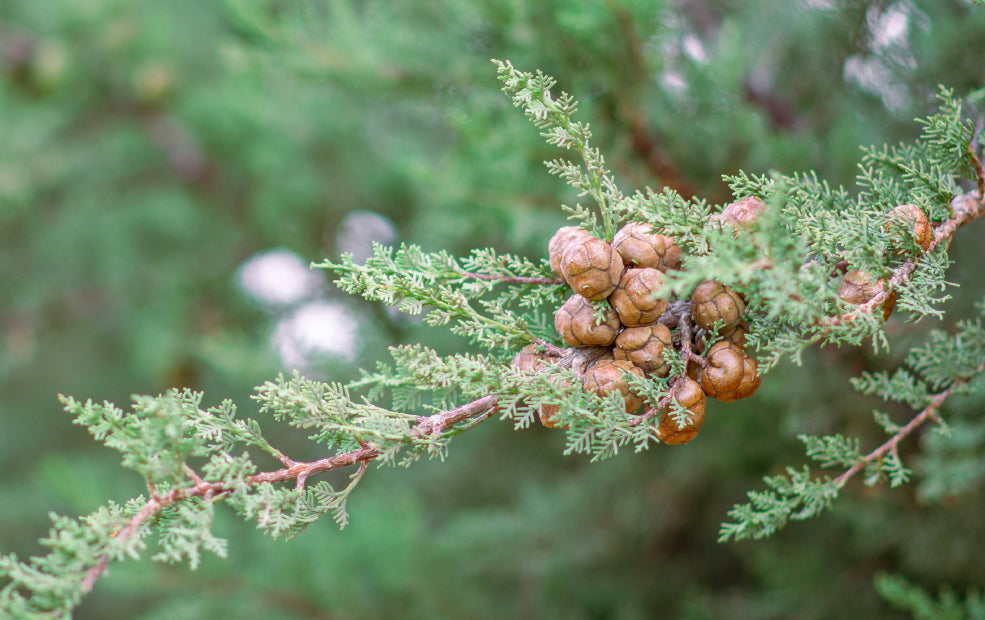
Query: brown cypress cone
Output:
(737,335)
(561,241)
(644,347)
(915,220)
(731,373)
(741,213)
(714,302)
(635,298)
(639,246)
(689,396)
(530,358)
(591,267)
(575,323)
(606,376)
(858,287)
(548,413)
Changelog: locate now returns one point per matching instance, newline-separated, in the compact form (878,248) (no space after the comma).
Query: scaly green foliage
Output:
(194,459)
(907,596)
(946,364)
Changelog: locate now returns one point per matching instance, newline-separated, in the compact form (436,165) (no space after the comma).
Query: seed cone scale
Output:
(737,334)
(731,373)
(561,241)
(607,376)
(548,414)
(639,246)
(713,302)
(575,323)
(741,213)
(644,347)
(689,396)
(591,267)
(916,221)
(530,359)
(635,298)
(858,287)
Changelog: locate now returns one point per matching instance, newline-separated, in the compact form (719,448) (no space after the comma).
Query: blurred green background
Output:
(168,169)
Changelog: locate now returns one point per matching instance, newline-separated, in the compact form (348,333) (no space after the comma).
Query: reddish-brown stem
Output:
(684,324)
(891,445)
(512,279)
(661,405)
(979,171)
(299,471)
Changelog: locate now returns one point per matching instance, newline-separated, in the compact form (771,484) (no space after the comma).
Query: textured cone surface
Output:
(635,298)
(529,358)
(575,323)
(915,221)
(580,359)
(561,241)
(731,374)
(714,302)
(644,347)
(591,267)
(741,213)
(858,287)
(548,414)
(689,396)
(606,376)
(737,334)
(639,246)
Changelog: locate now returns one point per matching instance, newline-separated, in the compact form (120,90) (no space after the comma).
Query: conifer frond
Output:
(553,116)
(787,265)
(947,605)
(946,362)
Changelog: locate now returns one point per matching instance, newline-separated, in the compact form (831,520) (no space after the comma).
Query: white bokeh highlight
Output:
(315,330)
(278,278)
(359,229)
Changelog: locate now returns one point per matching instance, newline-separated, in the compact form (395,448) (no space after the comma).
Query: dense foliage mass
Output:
(729,265)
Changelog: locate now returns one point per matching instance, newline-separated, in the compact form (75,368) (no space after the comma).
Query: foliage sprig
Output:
(785,264)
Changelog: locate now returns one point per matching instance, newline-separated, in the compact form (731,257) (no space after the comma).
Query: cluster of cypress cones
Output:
(634,335)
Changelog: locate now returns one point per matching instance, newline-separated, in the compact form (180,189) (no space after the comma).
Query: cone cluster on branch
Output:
(638,331)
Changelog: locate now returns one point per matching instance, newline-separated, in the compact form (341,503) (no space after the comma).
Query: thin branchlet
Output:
(787,264)
(476,411)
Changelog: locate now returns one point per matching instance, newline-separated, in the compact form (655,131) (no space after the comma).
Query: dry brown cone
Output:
(741,213)
(644,347)
(737,335)
(530,358)
(731,374)
(858,287)
(591,267)
(714,302)
(561,241)
(548,414)
(606,376)
(639,246)
(689,396)
(635,298)
(575,323)
(913,218)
